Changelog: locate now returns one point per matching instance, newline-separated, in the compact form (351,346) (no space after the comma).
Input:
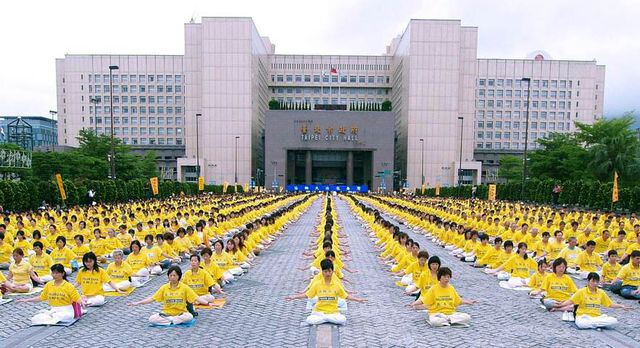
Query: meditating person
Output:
(589,300)
(588,261)
(610,270)
(140,265)
(174,296)
(557,287)
(536,280)
(119,272)
(517,269)
(20,274)
(442,301)
(63,255)
(60,295)
(628,278)
(200,281)
(41,262)
(90,279)
(328,292)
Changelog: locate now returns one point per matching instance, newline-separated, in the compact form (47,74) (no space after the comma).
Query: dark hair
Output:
(90,256)
(423,254)
(593,276)
(168,236)
(591,243)
(635,253)
(41,246)
(556,232)
(219,241)
(175,269)
(58,268)
(483,236)
(79,236)
(443,271)
(194,255)
(560,261)
(612,252)
(329,253)
(546,234)
(147,237)
(434,259)
(61,238)
(326,264)
(622,232)
(18,251)
(497,240)
(541,262)
(507,244)
(135,242)
(327,245)
(206,251)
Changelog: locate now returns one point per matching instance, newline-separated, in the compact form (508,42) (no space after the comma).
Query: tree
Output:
(510,168)
(612,145)
(386,105)
(560,158)
(274,104)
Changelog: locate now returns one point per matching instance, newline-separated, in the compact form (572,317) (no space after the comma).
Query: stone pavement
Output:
(508,318)
(255,315)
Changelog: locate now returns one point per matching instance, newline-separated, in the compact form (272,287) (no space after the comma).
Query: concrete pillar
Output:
(307,168)
(350,168)
(290,175)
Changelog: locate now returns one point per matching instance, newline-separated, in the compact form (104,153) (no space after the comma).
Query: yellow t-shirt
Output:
(571,255)
(124,238)
(519,267)
(223,260)
(118,274)
(59,295)
(610,272)
(213,269)
(22,272)
(5,252)
(137,262)
(632,247)
(630,275)
(602,245)
(590,303)
(536,280)
(619,247)
(199,282)
(588,263)
(91,281)
(41,264)
(327,296)
(441,300)
(80,251)
(554,249)
(174,300)
(559,289)
(154,254)
(63,257)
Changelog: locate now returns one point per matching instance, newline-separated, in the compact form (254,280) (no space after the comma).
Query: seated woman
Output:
(174,296)
(216,272)
(90,279)
(63,255)
(414,271)
(119,272)
(224,261)
(239,260)
(588,301)
(140,265)
(20,274)
(427,279)
(155,255)
(326,309)
(557,286)
(536,280)
(517,269)
(41,262)
(442,300)
(200,281)
(60,295)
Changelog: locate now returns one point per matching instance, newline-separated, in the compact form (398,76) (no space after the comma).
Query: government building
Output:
(427,111)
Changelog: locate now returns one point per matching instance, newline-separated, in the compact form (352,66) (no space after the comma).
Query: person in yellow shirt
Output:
(22,243)
(570,253)
(602,242)
(41,262)
(619,244)
(210,266)
(125,238)
(589,300)
(20,274)
(536,280)
(588,261)
(60,295)
(140,264)
(413,272)
(111,243)
(63,255)
(155,255)
(442,300)
(490,259)
(542,247)
(555,246)
(517,269)
(610,270)
(427,279)
(557,286)
(328,291)
(631,247)
(119,272)
(36,236)
(5,252)
(91,278)
(175,296)
(627,281)
(200,281)
(80,248)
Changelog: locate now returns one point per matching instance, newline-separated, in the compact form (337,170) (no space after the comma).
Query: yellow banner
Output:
(63,194)
(200,184)
(246,188)
(492,192)
(614,196)
(438,190)
(154,185)
(422,189)
(224,187)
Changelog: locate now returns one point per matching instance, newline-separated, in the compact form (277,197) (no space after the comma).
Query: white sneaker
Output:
(568,316)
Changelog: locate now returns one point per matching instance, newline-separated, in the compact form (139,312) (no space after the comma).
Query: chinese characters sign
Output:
(339,133)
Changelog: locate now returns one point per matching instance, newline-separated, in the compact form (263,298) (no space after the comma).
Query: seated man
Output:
(628,279)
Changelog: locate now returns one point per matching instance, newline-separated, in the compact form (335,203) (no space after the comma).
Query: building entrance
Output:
(329,167)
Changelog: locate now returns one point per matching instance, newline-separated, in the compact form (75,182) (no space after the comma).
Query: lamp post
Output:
(52,113)
(236,163)
(460,167)
(526,137)
(274,183)
(113,149)
(95,100)
(422,162)
(197,147)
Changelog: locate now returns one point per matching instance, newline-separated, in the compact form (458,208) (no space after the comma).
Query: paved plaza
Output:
(256,314)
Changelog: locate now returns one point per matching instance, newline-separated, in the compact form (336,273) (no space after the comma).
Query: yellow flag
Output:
(422,189)
(154,185)
(281,189)
(614,196)
(200,183)
(438,190)
(224,187)
(246,188)
(492,192)
(63,194)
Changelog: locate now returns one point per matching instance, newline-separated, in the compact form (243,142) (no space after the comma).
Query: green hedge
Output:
(584,193)
(28,195)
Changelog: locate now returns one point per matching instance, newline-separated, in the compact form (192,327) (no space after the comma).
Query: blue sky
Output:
(37,32)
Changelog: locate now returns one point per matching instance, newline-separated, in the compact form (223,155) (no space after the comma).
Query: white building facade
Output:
(441,98)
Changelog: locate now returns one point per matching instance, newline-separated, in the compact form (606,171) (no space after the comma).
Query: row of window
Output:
(510,135)
(178,100)
(160,121)
(117,78)
(523,93)
(137,89)
(330,78)
(518,125)
(535,83)
(552,115)
(137,110)
(344,101)
(506,146)
(481,103)
(326,90)
(142,131)
(299,66)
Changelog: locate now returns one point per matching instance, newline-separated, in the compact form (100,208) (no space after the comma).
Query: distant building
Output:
(44,130)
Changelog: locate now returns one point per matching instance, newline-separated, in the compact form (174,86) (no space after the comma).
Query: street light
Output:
(197,147)
(95,100)
(422,161)
(113,150)
(52,113)
(236,163)
(526,137)
(460,167)
(274,183)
